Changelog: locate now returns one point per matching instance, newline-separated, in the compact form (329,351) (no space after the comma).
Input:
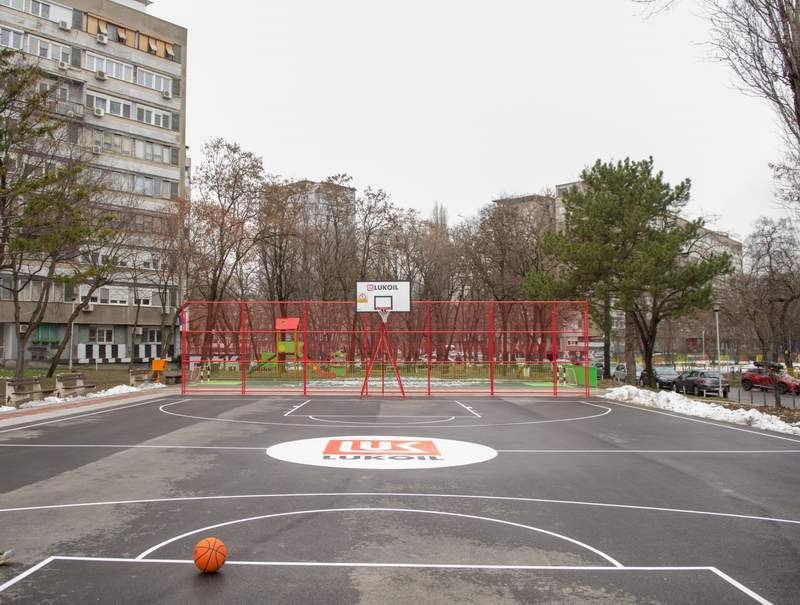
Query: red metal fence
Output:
(310,347)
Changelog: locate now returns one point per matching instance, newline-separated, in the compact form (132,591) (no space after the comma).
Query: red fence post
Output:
(243,349)
(428,329)
(491,348)
(305,349)
(586,345)
(553,338)
(183,349)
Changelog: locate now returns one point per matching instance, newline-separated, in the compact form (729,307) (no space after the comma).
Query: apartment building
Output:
(120,76)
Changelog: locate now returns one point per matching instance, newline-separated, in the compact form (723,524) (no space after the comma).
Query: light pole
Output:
(716,319)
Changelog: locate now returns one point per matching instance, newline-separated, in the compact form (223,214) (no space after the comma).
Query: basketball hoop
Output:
(384,313)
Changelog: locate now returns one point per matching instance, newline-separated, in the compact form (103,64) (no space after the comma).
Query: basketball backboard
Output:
(391,295)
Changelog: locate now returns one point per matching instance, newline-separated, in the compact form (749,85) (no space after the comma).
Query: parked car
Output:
(702,382)
(759,377)
(665,378)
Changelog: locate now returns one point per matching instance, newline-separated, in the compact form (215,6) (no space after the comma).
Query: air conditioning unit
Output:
(99,112)
(23,328)
(101,75)
(88,308)
(138,331)
(64,26)
(167,94)
(102,39)
(97,150)
(63,65)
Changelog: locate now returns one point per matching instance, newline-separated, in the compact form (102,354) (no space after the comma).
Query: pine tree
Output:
(624,244)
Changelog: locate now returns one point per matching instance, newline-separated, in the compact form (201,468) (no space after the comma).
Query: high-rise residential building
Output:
(120,76)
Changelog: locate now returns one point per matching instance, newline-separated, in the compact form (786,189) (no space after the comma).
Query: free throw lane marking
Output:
(297,407)
(469,409)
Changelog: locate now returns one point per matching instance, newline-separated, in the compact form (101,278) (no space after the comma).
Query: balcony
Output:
(67,109)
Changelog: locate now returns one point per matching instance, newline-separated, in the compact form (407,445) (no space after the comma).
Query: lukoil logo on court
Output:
(393,448)
(381,452)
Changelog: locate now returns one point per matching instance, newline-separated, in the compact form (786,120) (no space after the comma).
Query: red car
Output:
(759,378)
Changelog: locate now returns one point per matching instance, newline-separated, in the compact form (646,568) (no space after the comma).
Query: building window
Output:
(143,185)
(112,106)
(152,335)
(146,150)
(153,80)
(18,4)
(40,9)
(153,116)
(49,50)
(10,38)
(113,69)
(101,335)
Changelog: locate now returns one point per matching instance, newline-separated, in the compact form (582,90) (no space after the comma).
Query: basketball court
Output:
(339,499)
(395,479)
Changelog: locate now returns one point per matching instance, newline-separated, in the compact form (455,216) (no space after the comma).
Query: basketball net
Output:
(384,313)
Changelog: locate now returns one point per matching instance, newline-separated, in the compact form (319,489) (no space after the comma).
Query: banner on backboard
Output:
(392,295)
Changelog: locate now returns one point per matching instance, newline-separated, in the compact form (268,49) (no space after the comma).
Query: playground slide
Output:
(323,373)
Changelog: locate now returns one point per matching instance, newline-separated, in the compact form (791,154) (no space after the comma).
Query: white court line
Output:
(338,422)
(65,418)
(721,426)
(552,534)
(297,407)
(265,447)
(469,409)
(131,446)
(753,595)
(374,416)
(344,425)
(25,574)
(402,495)
(648,451)
(738,585)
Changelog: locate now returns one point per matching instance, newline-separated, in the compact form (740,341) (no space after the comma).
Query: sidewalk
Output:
(58,410)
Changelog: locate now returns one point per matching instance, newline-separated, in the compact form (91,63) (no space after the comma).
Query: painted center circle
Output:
(381,452)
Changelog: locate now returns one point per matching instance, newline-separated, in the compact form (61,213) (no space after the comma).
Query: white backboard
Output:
(372,295)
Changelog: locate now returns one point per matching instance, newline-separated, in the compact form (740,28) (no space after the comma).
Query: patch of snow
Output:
(675,402)
(5,408)
(121,389)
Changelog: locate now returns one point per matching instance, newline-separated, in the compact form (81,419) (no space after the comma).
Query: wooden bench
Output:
(24,390)
(139,377)
(171,377)
(71,384)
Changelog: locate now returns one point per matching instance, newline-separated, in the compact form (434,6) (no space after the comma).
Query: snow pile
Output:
(121,389)
(5,408)
(675,402)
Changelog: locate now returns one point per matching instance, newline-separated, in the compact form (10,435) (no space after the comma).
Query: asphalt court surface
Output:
(579,500)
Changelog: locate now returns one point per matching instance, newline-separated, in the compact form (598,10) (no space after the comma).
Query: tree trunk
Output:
(630,347)
(66,339)
(607,323)
(133,334)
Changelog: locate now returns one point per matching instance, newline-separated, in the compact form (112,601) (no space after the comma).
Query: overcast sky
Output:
(462,101)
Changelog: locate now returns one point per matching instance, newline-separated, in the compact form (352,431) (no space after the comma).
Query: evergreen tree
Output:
(624,245)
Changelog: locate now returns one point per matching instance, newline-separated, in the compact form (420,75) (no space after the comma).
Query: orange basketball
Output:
(210,555)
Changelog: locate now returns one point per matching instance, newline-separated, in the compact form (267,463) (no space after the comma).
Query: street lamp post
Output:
(716,319)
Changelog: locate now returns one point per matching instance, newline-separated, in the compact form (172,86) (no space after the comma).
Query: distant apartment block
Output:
(120,76)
